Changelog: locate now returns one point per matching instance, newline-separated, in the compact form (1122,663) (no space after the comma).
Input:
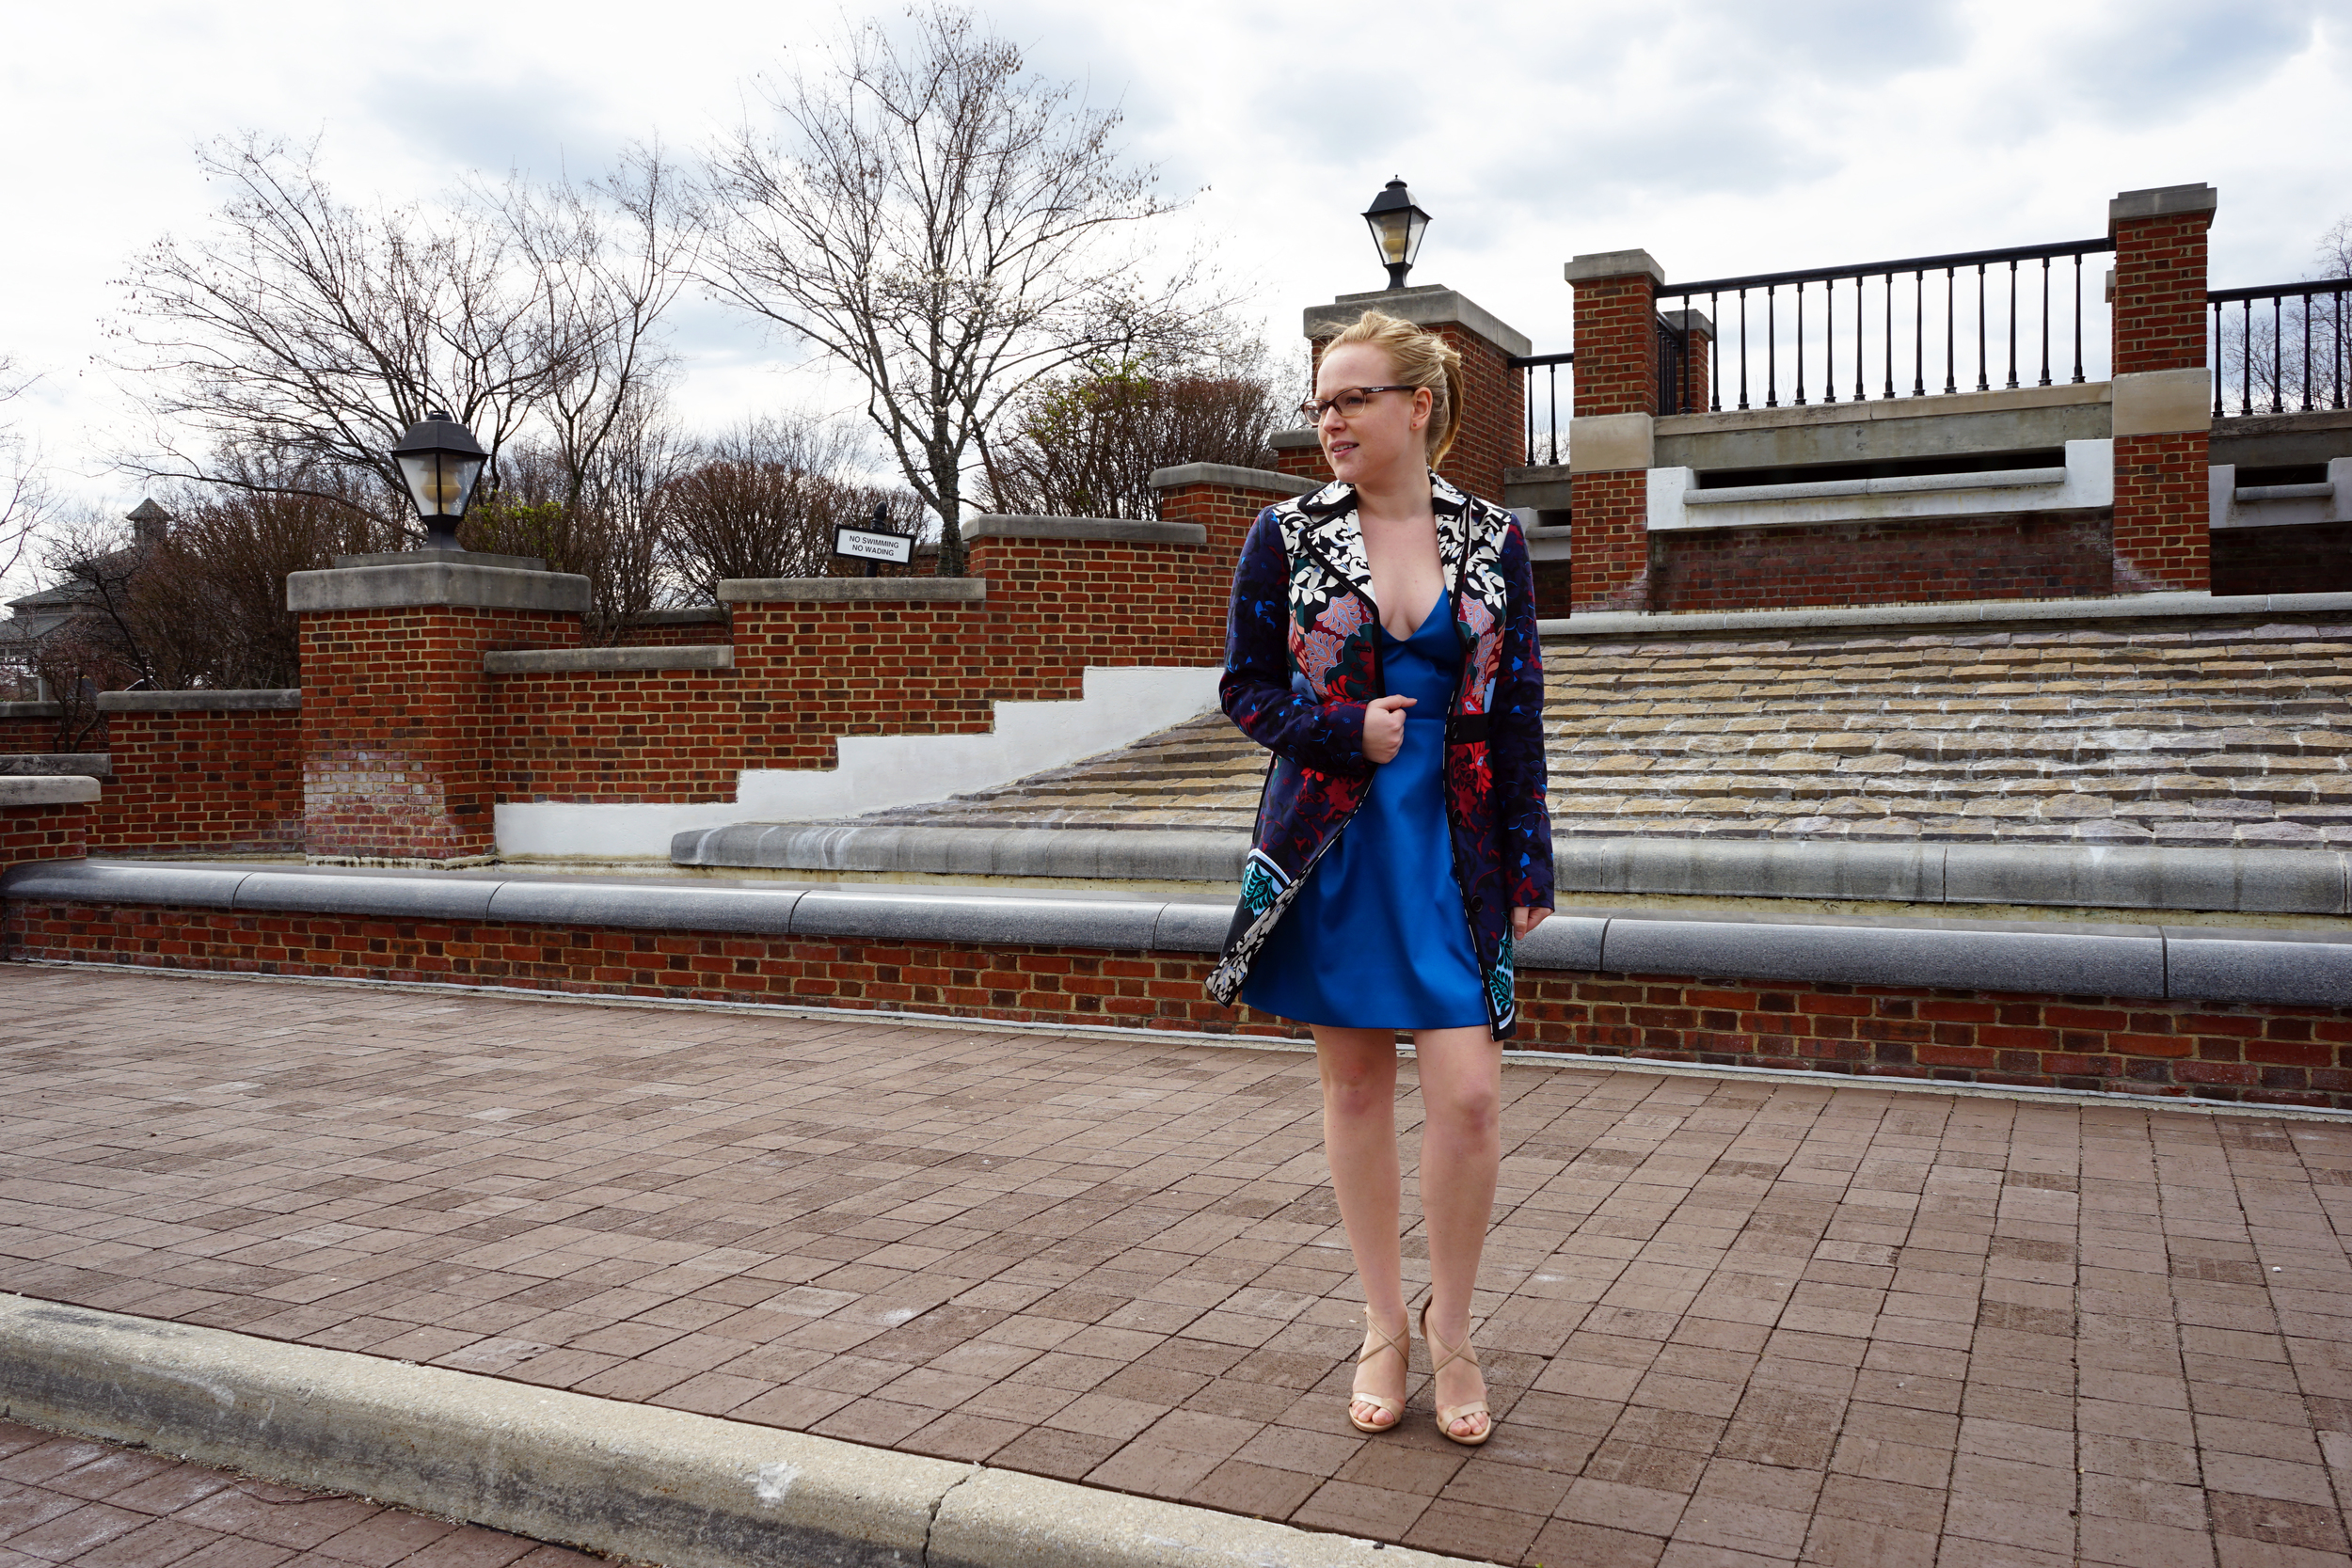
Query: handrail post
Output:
(2162,423)
(1612,436)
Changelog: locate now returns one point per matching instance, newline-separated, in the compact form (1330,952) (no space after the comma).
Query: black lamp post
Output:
(440,460)
(1396,228)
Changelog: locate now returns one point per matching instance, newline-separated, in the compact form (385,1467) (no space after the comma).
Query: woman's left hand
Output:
(1524,920)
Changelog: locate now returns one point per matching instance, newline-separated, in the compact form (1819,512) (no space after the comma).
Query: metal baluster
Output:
(1890,334)
(2013,323)
(1829,340)
(1860,343)
(2338,356)
(1527,397)
(2278,382)
(2307,354)
(1743,348)
(2046,321)
(2078,319)
(1918,334)
(1800,343)
(1552,376)
(1950,290)
(1771,348)
(1715,356)
(1982,384)
(2246,358)
(2217,359)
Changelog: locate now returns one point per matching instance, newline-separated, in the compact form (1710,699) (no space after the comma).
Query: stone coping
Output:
(1300,439)
(1647,625)
(43,765)
(1001,525)
(1116,854)
(1834,490)
(1423,305)
(454,558)
(2201,963)
(694,615)
(258,701)
(633,1480)
(1930,405)
(1239,478)
(853,590)
(416,580)
(556,661)
(32,710)
(65,791)
(2124,876)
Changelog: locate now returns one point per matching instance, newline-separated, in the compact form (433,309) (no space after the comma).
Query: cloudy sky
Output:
(1722,136)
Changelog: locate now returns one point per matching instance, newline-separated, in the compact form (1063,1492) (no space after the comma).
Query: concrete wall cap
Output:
(32,710)
(258,701)
(636,906)
(57,765)
(72,789)
(1423,305)
(1304,438)
(1599,265)
(2126,606)
(451,558)
(1120,854)
(383,896)
(693,615)
(533,662)
(1610,443)
(2220,965)
(907,914)
(1829,489)
(2163,402)
(125,882)
(1111,530)
(2071,961)
(853,590)
(2161,202)
(423,581)
(1236,478)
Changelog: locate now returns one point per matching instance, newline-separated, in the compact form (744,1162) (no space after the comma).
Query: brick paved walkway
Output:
(100,1506)
(1727,1322)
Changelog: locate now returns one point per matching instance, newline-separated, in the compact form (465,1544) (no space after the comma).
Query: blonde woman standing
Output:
(1382,644)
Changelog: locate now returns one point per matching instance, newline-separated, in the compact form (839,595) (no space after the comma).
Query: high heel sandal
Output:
(1400,1342)
(1447,1415)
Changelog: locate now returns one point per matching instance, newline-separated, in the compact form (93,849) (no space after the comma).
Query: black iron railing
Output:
(1527,364)
(2292,357)
(1914,277)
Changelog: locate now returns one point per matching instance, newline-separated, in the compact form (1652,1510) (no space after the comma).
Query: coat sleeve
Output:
(1516,729)
(1256,691)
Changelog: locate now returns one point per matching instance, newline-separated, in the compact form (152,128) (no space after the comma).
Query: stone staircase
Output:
(2170,732)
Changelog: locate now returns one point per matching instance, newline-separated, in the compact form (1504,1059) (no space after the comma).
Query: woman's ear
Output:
(1424,403)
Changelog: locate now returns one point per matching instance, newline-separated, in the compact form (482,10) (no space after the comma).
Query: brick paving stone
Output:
(1724,1320)
(162,1512)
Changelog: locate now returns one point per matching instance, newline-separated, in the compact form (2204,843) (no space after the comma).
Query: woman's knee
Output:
(1463,1110)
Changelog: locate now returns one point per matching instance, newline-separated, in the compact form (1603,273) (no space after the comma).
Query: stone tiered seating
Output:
(2171,734)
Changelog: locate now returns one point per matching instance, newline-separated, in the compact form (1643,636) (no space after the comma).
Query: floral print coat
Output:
(1302,659)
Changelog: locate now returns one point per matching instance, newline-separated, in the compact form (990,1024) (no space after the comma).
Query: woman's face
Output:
(1389,437)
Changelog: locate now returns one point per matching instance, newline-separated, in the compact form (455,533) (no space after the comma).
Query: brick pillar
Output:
(1611,438)
(2163,396)
(397,711)
(1698,332)
(1494,417)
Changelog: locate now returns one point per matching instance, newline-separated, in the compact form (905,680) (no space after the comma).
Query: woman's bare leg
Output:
(1359,1068)
(1461,1146)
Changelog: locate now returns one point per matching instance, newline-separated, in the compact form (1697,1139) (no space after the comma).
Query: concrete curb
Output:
(57,765)
(637,1481)
(1159,854)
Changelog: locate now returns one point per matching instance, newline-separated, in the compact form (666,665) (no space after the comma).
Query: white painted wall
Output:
(2277,506)
(1119,706)
(2087,480)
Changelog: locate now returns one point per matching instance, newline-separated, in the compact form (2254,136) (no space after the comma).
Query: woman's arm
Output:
(1516,733)
(1256,689)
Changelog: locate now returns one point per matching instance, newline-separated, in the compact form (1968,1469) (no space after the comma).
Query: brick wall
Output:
(2266,1055)
(1055,606)
(615,736)
(48,832)
(218,781)
(1301,462)
(1555,589)
(46,735)
(2163,513)
(397,717)
(1616,372)
(814,670)
(2301,558)
(672,634)
(1609,550)
(2160,311)
(2020,556)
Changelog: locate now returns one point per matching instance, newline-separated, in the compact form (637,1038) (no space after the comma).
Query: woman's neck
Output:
(1399,491)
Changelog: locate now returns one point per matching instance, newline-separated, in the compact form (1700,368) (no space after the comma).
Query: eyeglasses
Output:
(1350,402)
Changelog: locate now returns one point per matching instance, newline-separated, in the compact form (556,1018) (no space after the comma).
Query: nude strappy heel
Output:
(1447,1415)
(1395,1409)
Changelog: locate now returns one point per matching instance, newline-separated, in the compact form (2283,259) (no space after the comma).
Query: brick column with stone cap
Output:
(2163,393)
(396,707)
(1494,416)
(1611,439)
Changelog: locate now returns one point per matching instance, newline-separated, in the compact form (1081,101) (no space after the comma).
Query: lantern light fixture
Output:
(1396,226)
(440,460)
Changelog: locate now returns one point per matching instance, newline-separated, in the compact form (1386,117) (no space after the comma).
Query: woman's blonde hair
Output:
(1421,359)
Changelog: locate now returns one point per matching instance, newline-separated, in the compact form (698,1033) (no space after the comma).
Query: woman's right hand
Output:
(1384,727)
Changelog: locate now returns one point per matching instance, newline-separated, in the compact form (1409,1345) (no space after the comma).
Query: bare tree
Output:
(763,500)
(949,226)
(2292,354)
(25,497)
(1086,444)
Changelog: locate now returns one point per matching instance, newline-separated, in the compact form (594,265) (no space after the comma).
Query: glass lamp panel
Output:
(441,482)
(1392,231)
(1415,222)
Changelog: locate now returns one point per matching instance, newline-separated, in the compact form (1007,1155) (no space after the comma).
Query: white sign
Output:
(864,545)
